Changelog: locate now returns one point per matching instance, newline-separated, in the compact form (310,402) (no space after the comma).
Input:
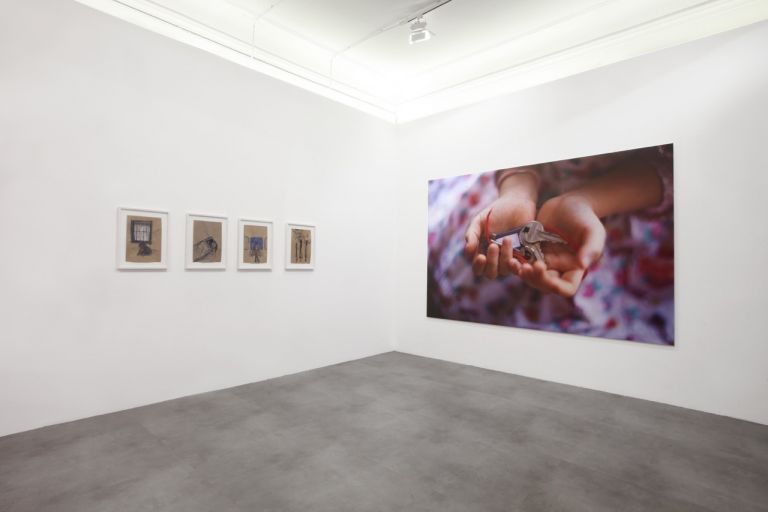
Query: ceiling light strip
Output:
(342,93)
(518,37)
(652,24)
(709,18)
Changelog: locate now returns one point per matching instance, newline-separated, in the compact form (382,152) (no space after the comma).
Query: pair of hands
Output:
(565,266)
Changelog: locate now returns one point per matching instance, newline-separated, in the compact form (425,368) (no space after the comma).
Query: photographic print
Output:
(300,248)
(580,246)
(142,239)
(206,242)
(255,239)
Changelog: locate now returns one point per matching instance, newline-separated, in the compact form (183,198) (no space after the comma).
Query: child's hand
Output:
(573,217)
(630,186)
(507,212)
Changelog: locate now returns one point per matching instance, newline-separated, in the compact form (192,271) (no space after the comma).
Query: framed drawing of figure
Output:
(206,242)
(255,244)
(142,239)
(300,246)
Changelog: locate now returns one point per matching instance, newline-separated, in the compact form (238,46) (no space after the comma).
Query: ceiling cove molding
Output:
(702,20)
(175,26)
(665,32)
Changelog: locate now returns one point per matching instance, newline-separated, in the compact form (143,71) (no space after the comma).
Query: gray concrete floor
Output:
(392,432)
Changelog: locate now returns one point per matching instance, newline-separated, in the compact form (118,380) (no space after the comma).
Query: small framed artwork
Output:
(142,239)
(206,242)
(254,244)
(300,246)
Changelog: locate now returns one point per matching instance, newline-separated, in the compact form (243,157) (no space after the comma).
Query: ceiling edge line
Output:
(503,74)
(159,25)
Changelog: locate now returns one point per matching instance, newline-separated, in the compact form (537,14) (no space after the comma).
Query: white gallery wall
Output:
(709,98)
(96,113)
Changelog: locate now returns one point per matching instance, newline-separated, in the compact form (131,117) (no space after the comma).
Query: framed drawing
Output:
(300,246)
(254,244)
(142,239)
(206,242)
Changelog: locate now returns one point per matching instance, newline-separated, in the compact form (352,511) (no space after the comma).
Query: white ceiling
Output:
(357,51)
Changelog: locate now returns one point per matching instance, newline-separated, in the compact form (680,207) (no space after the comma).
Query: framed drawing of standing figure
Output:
(142,239)
(300,247)
(206,242)
(255,245)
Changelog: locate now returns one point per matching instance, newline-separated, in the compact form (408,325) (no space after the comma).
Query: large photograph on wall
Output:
(581,246)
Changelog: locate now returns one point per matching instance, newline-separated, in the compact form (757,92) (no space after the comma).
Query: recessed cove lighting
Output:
(486,48)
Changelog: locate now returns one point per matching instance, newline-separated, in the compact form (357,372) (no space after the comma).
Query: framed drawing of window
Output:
(255,244)
(142,239)
(206,242)
(300,246)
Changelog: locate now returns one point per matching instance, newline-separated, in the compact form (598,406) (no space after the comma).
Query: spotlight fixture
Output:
(419,32)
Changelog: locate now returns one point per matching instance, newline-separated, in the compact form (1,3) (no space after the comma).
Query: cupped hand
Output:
(572,217)
(506,212)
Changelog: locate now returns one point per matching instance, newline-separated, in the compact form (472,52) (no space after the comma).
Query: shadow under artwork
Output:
(255,244)
(143,239)
(301,245)
(580,246)
(206,241)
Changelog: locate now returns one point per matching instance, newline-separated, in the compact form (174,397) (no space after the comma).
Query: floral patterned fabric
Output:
(628,294)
